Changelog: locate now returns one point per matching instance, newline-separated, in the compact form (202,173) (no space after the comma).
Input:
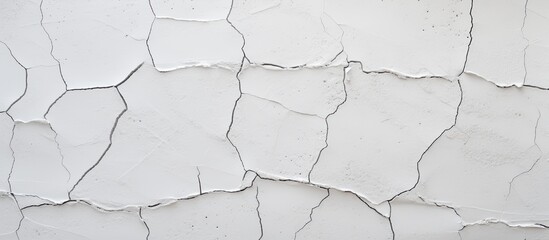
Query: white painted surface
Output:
(274,119)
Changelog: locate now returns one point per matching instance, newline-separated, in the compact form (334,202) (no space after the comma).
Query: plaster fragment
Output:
(372,121)
(153,153)
(500,131)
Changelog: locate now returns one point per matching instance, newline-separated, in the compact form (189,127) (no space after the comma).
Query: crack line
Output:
(432,143)
(311,213)
(257,210)
(244,57)
(110,142)
(327,125)
(470,39)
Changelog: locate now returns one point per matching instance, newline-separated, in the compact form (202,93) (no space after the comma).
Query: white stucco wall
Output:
(274,119)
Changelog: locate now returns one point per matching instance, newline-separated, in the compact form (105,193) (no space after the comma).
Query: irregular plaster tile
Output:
(211,216)
(344,216)
(288,34)
(176,44)
(192,10)
(274,140)
(415,38)
(80,221)
(311,91)
(83,121)
(419,221)
(175,122)
(10,216)
(285,206)
(20,28)
(44,86)
(6,158)
(537,34)
(98,42)
(13,78)
(471,166)
(378,135)
(497,49)
(501,231)
(38,167)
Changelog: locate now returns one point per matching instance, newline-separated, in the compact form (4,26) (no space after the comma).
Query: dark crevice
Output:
(144,223)
(258,214)
(108,147)
(432,143)
(527,42)
(26,79)
(149,35)
(311,213)
(390,220)
(51,45)
(244,57)
(470,38)
(327,125)
(199,181)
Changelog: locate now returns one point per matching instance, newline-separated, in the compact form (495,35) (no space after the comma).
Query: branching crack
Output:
(390,220)
(470,38)
(110,142)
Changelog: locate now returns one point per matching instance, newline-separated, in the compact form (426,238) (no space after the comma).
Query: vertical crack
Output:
(433,142)
(144,223)
(327,125)
(527,42)
(244,57)
(470,38)
(199,182)
(257,210)
(390,220)
(534,164)
(26,79)
(60,153)
(51,45)
(9,179)
(311,213)
(110,141)
(149,35)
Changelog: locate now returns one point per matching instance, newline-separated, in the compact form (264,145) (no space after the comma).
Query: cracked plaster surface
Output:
(274,119)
